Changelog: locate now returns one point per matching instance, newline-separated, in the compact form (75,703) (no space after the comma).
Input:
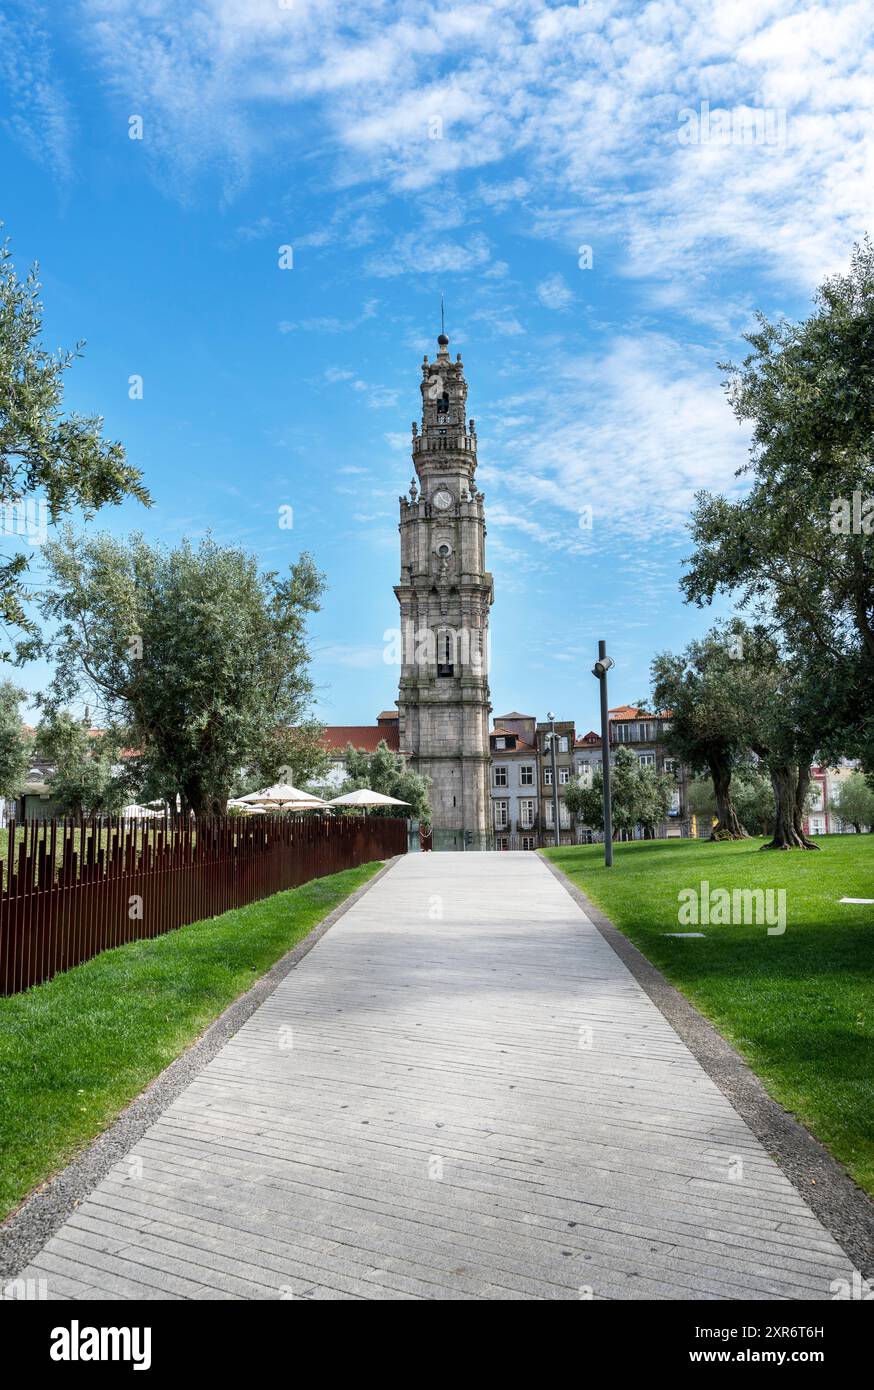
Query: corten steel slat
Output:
(6,914)
(114,867)
(158,882)
(11,943)
(60,899)
(32,935)
(79,876)
(43,921)
(18,944)
(69,872)
(103,897)
(85,875)
(3,934)
(24,943)
(94,941)
(10,890)
(71,925)
(113,923)
(31,938)
(27,945)
(51,899)
(74,900)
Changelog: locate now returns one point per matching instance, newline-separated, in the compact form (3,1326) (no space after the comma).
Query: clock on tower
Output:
(444,596)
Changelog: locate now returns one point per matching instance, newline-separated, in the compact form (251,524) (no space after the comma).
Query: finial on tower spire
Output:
(442,340)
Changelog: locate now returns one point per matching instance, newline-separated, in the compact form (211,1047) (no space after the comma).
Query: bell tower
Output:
(444,594)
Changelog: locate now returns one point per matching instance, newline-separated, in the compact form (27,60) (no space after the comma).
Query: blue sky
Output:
(402,151)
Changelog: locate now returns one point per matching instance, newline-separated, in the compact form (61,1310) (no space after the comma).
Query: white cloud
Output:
(417,253)
(632,436)
(581,101)
(37,112)
(342,654)
(329,324)
(555,293)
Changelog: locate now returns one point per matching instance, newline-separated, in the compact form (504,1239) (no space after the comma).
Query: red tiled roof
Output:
(521,745)
(636,712)
(626,712)
(366,737)
(387,714)
(589,738)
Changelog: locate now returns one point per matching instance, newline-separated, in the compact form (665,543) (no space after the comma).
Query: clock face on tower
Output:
(443,499)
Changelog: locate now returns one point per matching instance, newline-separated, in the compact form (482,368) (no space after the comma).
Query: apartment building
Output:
(633,727)
(513,782)
(825,785)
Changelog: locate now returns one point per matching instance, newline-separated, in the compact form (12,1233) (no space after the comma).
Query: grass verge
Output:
(798,1007)
(76,1050)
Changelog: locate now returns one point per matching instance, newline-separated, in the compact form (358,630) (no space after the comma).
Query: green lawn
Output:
(76,1050)
(799,1007)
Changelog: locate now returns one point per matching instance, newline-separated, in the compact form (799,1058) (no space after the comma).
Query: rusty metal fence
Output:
(73,888)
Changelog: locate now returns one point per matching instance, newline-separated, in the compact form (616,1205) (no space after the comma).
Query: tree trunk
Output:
(787,783)
(195,798)
(728,826)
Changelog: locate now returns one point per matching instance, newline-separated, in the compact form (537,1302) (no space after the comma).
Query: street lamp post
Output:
(599,670)
(552,737)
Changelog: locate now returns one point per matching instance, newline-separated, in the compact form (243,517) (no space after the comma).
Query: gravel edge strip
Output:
(840,1204)
(26,1230)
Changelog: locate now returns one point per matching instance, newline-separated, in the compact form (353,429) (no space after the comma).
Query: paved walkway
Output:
(416,1112)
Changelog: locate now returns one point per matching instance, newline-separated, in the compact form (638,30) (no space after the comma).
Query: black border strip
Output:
(26,1230)
(840,1204)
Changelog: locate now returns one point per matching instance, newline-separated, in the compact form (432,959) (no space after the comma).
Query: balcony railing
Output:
(430,443)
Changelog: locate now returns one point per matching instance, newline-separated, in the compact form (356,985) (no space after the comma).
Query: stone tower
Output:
(444,595)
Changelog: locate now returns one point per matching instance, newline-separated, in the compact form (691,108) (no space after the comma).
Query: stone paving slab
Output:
(461,1093)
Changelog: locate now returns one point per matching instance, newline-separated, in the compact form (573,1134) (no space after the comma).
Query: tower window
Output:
(443,404)
(445,662)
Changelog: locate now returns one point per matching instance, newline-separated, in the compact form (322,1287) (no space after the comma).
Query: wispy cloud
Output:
(583,100)
(555,293)
(38,114)
(623,443)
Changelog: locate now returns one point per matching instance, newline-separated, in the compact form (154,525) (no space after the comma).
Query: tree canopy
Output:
(14,743)
(46,456)
(700,689)
(389,773)
(89,775)
(639,795)
(199,655)
(798,548)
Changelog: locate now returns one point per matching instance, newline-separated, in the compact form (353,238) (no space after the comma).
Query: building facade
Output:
(444,595)
(825,785)
(514,782)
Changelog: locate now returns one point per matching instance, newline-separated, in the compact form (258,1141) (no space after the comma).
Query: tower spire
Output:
(442,341)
